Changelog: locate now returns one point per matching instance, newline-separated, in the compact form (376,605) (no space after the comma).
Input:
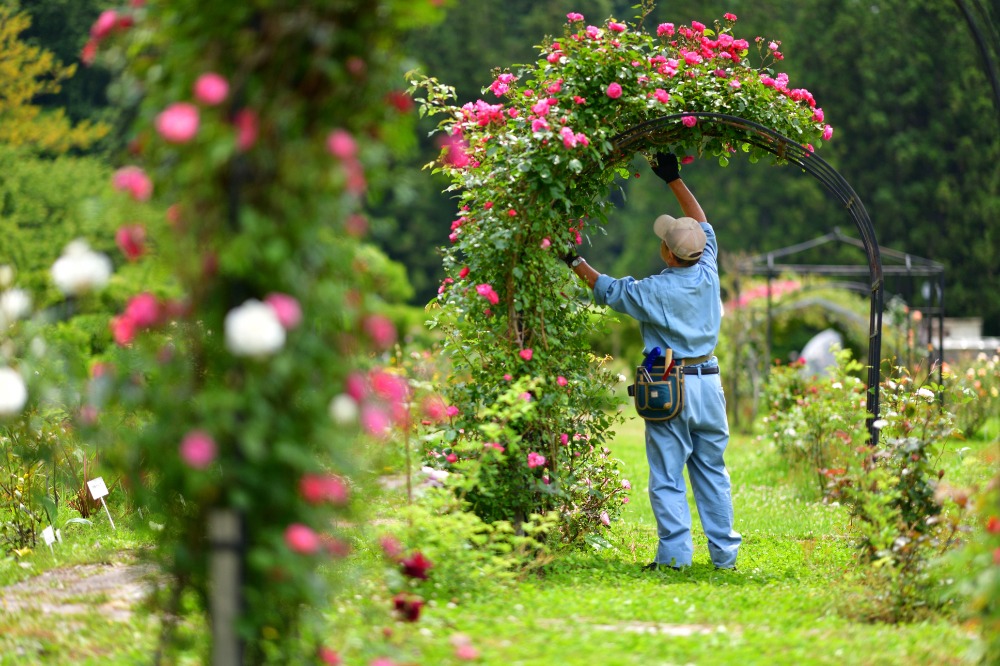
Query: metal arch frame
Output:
(910,266)
(667,129)
(984,39)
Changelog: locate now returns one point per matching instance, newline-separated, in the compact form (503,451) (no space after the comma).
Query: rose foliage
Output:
(531,168)
(265,127)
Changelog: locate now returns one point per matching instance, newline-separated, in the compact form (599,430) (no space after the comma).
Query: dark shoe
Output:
(732,568)
(654,566)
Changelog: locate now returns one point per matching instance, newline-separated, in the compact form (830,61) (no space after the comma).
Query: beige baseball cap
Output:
(683,235)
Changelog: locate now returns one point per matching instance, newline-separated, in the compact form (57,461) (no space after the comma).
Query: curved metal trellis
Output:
(668,129)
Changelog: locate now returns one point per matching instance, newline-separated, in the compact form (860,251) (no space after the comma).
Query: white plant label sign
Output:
(49,536)
(97,487)
(98,490)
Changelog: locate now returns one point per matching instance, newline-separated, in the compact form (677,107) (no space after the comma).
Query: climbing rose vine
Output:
(531,165)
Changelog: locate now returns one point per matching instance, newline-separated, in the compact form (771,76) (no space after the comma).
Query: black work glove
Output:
(666,167)
(569,258)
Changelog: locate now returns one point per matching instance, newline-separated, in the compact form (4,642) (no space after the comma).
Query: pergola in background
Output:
(905,269)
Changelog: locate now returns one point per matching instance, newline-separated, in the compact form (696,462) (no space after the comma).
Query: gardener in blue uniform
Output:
(680,309)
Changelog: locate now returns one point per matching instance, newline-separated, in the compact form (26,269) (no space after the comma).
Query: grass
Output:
(794,599)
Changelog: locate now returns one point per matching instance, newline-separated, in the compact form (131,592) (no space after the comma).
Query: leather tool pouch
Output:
(658,394)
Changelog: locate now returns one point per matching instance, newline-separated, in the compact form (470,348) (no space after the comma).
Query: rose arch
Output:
(531,174)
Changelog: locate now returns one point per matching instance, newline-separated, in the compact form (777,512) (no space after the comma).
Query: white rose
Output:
(14,304)
(80,269)
(879,424)
(253,329)
(344,409)
(13,392)
(925,393)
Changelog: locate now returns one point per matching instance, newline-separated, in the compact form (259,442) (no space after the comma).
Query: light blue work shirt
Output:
(678,308)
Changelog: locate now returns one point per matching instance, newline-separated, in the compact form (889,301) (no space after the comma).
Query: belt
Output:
(714,370)
(687,370)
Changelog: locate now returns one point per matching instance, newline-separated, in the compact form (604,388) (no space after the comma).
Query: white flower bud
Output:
(344,409)
(80,269)
(14,304)
(253,329)
(13,392)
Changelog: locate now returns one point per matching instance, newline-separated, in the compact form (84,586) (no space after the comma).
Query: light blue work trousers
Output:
(697,437)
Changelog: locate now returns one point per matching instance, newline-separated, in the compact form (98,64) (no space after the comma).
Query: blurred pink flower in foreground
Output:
(211,88)
(286,308)
(198,449)
(178,123)
(319,488)
(301,539)
(131,240)
(133,180)
(535,460)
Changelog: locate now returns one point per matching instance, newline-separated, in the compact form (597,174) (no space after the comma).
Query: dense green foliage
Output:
(915,134)
(902,82)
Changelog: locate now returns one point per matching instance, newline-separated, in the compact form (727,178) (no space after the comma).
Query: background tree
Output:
(26,72)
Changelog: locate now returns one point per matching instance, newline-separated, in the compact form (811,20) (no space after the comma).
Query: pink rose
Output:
(122,330)
(302,539)
(535,460)
(697,26)
(689,121)
(211,89)
(89,53)
(375,420)
(451,410)
(143,310)
(605,519)
(617,27)
(661,95)
(818,115)
(104,24)
(388,385)
(452,458)
(466,652)
(626,485)
(133,180)
(574,16)
(665,29)
(487,292)
(178,123)
(197,449)
(526,354)
(381,330)
(561,381)
(329,657)
(319,488)
(131,240)
(564,439)
(546,243)
(342,145)
(827,133)
(286,309)
(508,377)
(614,90)
(247,128)
(356,386)
(464,273)
(687,159)
(729,17)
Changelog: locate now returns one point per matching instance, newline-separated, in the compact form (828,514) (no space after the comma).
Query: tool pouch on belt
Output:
(659,392)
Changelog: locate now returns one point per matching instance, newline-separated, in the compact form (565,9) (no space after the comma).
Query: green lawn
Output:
(791,602)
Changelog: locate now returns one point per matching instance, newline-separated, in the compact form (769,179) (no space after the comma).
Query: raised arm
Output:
(666,167)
